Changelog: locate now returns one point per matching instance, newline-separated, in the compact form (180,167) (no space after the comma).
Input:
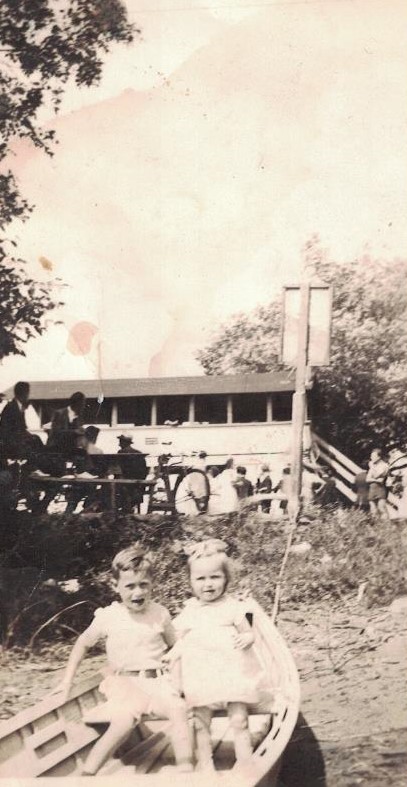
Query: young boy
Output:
(243,486)
(138,632)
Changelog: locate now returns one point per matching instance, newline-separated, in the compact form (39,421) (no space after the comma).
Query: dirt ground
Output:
(353,667)
(352,664)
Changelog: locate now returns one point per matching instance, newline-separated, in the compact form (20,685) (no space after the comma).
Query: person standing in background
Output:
(134,469)
(243,486)
(65,423)
(264,486)
(376,479)
(284,488)
(91,435)
(16,438)
(362,491)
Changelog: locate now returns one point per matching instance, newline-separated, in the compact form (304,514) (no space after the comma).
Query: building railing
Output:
(344,470)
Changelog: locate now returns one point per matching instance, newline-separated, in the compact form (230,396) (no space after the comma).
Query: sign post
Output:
(305,342)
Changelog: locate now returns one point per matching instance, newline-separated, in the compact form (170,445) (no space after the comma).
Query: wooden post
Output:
(154,411)
(229,409)
(299,403)
(113,496)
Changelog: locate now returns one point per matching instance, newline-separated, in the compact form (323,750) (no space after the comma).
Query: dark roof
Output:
(163,386)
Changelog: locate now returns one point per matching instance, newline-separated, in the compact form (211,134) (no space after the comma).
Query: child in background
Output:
(284,488)
(138,632)
(215,652)
(264,486)
(243,486)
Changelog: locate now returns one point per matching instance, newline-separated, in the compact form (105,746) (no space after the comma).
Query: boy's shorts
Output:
(137,695)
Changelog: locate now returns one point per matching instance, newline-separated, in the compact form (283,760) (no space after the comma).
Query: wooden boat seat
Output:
(52,739)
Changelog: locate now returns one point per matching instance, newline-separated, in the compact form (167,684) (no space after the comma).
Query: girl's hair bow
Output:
(212,546)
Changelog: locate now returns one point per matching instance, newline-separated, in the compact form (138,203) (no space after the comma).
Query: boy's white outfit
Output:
(135,646)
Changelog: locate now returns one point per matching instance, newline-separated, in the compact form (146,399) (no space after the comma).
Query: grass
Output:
(347,550)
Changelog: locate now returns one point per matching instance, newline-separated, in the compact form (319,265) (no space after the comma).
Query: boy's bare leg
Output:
(203,743)
(382,507)
(238,717)
(117,732)
(372,506)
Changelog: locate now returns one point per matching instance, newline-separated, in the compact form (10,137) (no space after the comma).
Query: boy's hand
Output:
(244,640)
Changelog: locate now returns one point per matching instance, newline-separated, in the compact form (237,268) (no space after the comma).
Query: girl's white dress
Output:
(223,498)
(212,670)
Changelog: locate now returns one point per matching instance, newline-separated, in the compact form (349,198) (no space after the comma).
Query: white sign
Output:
(319,325)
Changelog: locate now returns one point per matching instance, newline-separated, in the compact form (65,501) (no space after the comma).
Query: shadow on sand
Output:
(303,762)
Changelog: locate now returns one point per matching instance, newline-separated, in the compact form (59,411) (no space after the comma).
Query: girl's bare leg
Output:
(238,717)
(181,737)
(203,743)
(117,732)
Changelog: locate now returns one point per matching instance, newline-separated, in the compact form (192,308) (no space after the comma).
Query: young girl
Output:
(138,632)
(215,652)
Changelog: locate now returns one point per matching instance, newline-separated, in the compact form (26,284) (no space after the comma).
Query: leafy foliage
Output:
(23,304)
(358,401)
(347,549)
(247,343)
(43,45)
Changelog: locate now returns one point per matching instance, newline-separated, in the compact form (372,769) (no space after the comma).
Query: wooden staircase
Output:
(344,471)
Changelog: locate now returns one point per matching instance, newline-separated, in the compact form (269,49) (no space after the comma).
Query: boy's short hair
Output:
(241,470)
(133,558)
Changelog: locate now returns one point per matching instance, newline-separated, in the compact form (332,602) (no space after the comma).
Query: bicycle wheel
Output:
(191,493)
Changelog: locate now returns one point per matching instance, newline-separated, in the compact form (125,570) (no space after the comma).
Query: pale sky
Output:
(185,185)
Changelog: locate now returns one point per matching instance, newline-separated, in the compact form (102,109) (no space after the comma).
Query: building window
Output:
(48,408)
(249,408)
(211,409)
(134,410)
(142,415)
(98,413)
(172,408)
(282,406)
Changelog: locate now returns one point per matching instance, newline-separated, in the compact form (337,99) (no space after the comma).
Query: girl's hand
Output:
(166,660)
(243,640)
(171,657)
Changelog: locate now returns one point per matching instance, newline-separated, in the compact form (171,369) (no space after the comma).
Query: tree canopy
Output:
(44,44)
(359,400)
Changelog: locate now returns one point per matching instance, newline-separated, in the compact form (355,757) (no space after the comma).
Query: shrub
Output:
(348,548)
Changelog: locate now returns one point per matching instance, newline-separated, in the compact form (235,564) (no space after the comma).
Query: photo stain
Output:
(80,338)
(46,264)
